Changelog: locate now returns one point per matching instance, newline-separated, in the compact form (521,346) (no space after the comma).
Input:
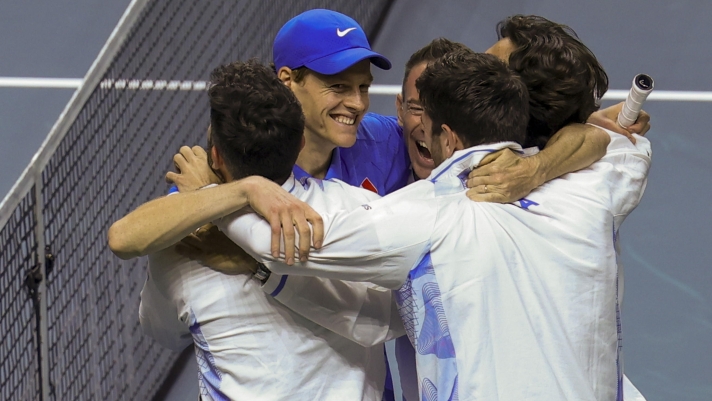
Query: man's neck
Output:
(315,158)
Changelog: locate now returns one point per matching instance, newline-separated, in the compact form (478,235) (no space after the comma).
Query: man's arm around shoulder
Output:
(163,222)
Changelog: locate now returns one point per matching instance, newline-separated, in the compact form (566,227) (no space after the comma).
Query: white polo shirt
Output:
(249,346)
(499,301)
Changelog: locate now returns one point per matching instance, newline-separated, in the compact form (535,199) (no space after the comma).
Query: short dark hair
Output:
(477,96)
(256,121)
(564,78)
(431,52)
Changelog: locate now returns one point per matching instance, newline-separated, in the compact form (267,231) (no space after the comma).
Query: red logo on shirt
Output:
(367,184)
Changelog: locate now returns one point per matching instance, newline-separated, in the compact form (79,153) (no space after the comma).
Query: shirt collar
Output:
(291,183)
(467,159)
(335,168)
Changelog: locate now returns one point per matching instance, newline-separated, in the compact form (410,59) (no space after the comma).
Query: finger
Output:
(317,225)
(616,128)
(276,235)
(474,182)
(491,197)
(491,157)
(628,134)
(171,177)
(180,162)
(204,232)
(493,162)
(304,237)
(288,234)
(635,128)
(483,170)
(639,128)
(192,240)
(200,153)
(187,153)
(643,117)
(645,129)
(485,167)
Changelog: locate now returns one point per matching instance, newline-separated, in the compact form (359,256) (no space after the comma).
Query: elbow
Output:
(119,244)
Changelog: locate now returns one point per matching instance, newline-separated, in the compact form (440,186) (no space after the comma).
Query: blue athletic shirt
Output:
(378,161)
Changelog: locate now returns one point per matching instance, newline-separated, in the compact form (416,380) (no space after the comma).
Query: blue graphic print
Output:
(209,377)
(434,335)
(406,308)
(525,203)
(419,300)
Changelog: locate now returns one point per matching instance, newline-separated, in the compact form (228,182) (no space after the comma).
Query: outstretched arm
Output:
(505,177)
(163,222)
(378,242)
(608,118)
(361,312)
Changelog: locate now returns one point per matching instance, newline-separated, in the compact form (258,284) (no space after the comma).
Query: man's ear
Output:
(285,75)
(399,109)
(450,141)
(216,158)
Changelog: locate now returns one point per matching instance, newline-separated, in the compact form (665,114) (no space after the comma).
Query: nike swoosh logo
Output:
(343,33)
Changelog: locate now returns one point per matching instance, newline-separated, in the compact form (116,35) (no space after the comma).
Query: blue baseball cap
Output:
(323,41)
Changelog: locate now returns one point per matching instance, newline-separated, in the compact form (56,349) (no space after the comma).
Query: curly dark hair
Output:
(564,78)
(257,123)
(431,52)
(477,96)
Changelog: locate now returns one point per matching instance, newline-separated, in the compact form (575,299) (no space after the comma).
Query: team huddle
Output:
(477,227)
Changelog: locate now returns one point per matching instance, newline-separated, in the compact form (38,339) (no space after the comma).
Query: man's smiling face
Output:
(334,105)
(409,113)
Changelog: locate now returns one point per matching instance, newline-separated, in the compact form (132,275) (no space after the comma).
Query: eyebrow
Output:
(413,102)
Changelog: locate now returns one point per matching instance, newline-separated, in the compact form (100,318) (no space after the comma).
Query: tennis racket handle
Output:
(642,86)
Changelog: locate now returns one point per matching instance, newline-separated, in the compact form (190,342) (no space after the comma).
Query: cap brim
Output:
(337,62)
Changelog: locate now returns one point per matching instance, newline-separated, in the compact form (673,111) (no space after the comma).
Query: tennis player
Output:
(500,301)
(342,311)
(343,164)
(248,346)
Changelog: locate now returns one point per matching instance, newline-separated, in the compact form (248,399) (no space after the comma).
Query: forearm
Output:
(163,222)
(363,313)
(572,148)
(378,243)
